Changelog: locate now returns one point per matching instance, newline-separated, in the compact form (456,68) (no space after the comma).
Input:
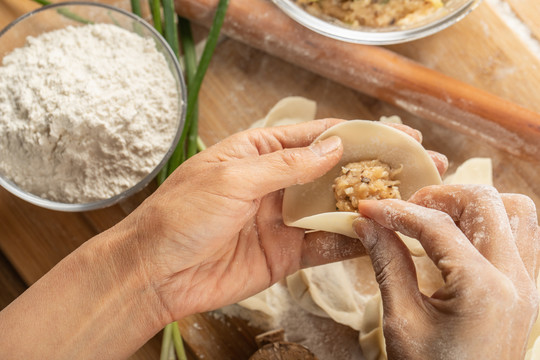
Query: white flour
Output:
(85,112)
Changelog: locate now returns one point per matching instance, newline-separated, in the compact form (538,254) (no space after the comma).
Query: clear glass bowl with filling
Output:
(450,13)
(61,15)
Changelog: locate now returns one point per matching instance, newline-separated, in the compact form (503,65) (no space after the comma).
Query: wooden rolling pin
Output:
(379,73)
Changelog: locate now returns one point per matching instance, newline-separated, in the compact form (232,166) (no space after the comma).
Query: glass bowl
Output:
(452,12)
(61,15)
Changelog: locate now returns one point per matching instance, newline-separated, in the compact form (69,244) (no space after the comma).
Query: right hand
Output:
(486,246)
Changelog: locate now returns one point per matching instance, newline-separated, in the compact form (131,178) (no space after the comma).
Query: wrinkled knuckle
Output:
(292,158)
(383,278)
(383,270)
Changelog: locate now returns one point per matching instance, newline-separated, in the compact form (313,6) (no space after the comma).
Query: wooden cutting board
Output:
(242,84)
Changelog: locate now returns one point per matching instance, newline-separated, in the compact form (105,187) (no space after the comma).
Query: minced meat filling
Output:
(365,180)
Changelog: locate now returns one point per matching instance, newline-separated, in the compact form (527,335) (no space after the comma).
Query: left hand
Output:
(213,234)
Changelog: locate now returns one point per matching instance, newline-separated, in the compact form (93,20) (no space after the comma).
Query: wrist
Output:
(128,261)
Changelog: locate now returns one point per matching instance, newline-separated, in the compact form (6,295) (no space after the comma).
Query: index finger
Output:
(261,141)
(443,241)
(299,135)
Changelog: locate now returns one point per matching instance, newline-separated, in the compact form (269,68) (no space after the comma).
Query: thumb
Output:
(392,263)
(284,168)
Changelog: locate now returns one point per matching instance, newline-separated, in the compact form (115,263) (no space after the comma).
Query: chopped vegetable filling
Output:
(364,180)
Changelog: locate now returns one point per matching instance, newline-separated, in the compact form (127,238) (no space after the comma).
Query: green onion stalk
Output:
(136,7)
(190,62)
(155,9)
(193,88)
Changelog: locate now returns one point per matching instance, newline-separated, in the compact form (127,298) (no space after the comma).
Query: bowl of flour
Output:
(92,104)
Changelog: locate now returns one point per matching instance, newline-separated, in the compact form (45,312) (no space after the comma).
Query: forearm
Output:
(96,303)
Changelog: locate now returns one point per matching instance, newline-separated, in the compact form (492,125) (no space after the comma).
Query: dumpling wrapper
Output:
(298,285)
(288,111)
(313,206)
(270,302)
(337,290)
(473,171)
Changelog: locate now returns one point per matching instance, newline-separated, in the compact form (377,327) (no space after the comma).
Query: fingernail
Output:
(327,146)
(366,231)
(366,204)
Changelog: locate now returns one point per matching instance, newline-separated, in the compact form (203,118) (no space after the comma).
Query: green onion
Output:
(136,7)
(195,86)
(192,148)
(43,2)
(162,175)
(171,35)
(190,61)
(201,146)
(178,343)
(166,342)
(155,8)
(74,16)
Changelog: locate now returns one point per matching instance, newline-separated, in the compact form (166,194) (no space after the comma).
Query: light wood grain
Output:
(484,52)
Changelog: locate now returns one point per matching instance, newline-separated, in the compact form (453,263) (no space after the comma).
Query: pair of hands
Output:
(213,234)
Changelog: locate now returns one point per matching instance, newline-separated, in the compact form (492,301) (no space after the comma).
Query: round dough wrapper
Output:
(288,111)
(313,206)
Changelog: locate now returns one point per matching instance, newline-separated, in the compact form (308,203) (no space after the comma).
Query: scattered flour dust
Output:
(85,112)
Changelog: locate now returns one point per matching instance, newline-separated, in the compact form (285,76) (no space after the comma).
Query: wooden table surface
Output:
(241,86)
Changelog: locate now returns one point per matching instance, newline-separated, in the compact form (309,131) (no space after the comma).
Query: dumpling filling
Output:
(372,13)
(365,180)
